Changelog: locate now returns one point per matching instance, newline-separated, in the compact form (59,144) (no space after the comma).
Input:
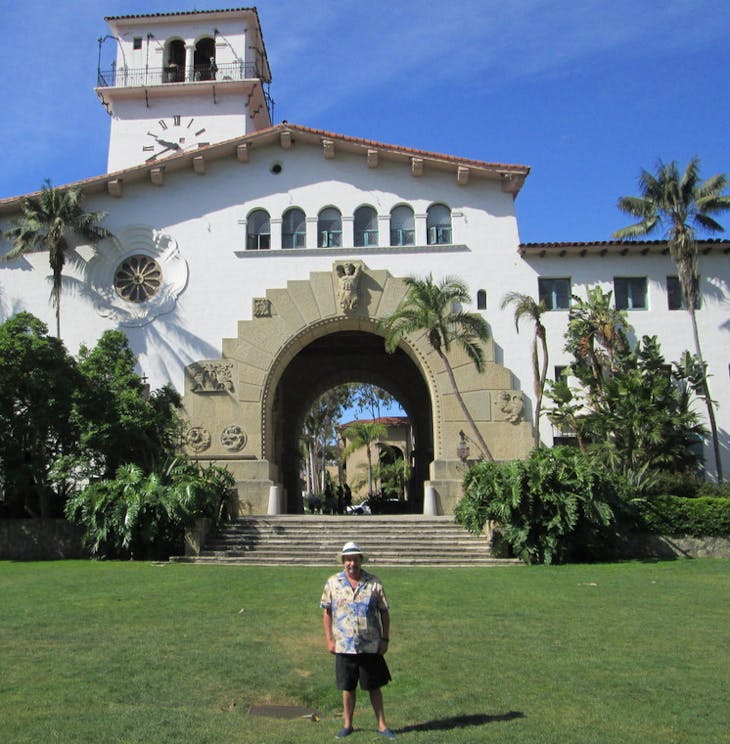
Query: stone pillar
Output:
(430,508)
(274,500)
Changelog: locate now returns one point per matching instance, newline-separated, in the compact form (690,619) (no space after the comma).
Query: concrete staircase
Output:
(394,540)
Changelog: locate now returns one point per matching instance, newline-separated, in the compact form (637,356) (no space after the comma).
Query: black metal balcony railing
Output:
(126,77)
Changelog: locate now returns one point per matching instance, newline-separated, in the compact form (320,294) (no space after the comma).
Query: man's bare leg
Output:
(376,699)
(349,698)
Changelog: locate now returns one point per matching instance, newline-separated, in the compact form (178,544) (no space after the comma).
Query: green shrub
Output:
(142,516)
(676,515)
(553,507)
(715,490)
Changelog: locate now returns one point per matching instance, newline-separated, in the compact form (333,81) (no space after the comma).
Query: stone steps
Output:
(393,540)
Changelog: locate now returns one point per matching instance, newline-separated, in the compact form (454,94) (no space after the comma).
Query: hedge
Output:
(676,515)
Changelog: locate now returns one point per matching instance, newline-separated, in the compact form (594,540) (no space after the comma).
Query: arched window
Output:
(294,229)
(402,226)
(366,226)
(438,223)
(174,61)
(482,299)
(204,66)
(258,231)
(329,228)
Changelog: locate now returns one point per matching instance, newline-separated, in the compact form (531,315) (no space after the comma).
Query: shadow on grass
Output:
(457,722)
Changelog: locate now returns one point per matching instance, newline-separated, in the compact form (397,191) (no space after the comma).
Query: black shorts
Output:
(370,669)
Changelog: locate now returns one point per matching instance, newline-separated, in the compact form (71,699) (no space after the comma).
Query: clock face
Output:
(173,135)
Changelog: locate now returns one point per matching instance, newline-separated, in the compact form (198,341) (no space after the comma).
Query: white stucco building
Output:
(252,261)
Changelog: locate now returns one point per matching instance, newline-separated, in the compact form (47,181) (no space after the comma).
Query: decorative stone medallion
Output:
(197,438)
(233,438)
(136,276)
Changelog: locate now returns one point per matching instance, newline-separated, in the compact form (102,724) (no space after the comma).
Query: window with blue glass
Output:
(329,228)
(675,295)
(366,227)
(293,229)
(402,226)
(630,293)
(438,224)
(258,231)
(554,293)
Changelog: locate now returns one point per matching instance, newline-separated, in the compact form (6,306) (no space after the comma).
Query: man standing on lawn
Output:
(356,623)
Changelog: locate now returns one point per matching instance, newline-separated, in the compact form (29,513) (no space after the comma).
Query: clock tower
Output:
(180,81)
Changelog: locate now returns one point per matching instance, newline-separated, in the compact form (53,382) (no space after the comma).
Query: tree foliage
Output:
(680,205)
(629,408)
(52,221)
(38,381)
(436,309)
(364,434)
(143,515)
(556,506)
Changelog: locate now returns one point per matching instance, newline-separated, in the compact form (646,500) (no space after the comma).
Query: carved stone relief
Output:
(509,406)
(233,438)
(261,307)
(197,438)
(348,282)
(212,376)
(136,276)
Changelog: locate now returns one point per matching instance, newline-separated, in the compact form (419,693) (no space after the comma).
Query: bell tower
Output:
(179,81)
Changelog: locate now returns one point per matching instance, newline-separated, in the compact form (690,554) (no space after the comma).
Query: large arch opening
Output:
(334,359)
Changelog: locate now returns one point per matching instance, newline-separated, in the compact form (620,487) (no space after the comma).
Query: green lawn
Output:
(143,653)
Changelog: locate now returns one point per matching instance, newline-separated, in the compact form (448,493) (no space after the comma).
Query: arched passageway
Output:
(331,360)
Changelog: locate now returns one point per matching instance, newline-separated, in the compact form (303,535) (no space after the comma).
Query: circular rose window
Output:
(138,278)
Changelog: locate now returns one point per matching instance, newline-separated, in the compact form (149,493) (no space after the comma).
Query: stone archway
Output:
(245,408)
(348,356)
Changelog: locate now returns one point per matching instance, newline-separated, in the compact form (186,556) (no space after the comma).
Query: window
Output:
(329,228)
(204,66)
(366,226)
(560,371)
(630,293)
(402,226)
(138,278)
(294,229)
(675,295)
(554,293)
(137,42)
(438,224)
(258,231)
(175,61)
(482,299)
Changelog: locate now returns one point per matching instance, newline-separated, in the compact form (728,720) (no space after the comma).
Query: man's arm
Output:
(327,624)
(385,638)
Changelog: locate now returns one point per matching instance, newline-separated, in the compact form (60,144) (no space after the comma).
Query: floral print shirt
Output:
(355,612)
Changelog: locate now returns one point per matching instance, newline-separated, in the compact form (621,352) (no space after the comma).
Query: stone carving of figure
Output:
(209,377)
(348,276)
(511,404)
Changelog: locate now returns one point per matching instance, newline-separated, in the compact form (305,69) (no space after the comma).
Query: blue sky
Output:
(585,92)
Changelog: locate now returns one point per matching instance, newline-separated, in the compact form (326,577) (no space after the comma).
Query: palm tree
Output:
(680,204)
(436,310)
(49,222)
(525,306)
(365,434)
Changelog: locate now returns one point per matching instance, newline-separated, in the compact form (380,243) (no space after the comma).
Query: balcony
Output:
(143,76)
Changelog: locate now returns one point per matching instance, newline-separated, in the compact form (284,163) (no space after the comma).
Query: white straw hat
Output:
(351,548)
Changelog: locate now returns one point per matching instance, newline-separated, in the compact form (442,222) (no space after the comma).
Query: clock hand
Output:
(157,154)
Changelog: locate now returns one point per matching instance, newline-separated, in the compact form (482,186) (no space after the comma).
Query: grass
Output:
(138,652)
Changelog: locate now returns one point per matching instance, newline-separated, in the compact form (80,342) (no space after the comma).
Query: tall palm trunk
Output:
(706,394)
(477,434)
(540,378)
